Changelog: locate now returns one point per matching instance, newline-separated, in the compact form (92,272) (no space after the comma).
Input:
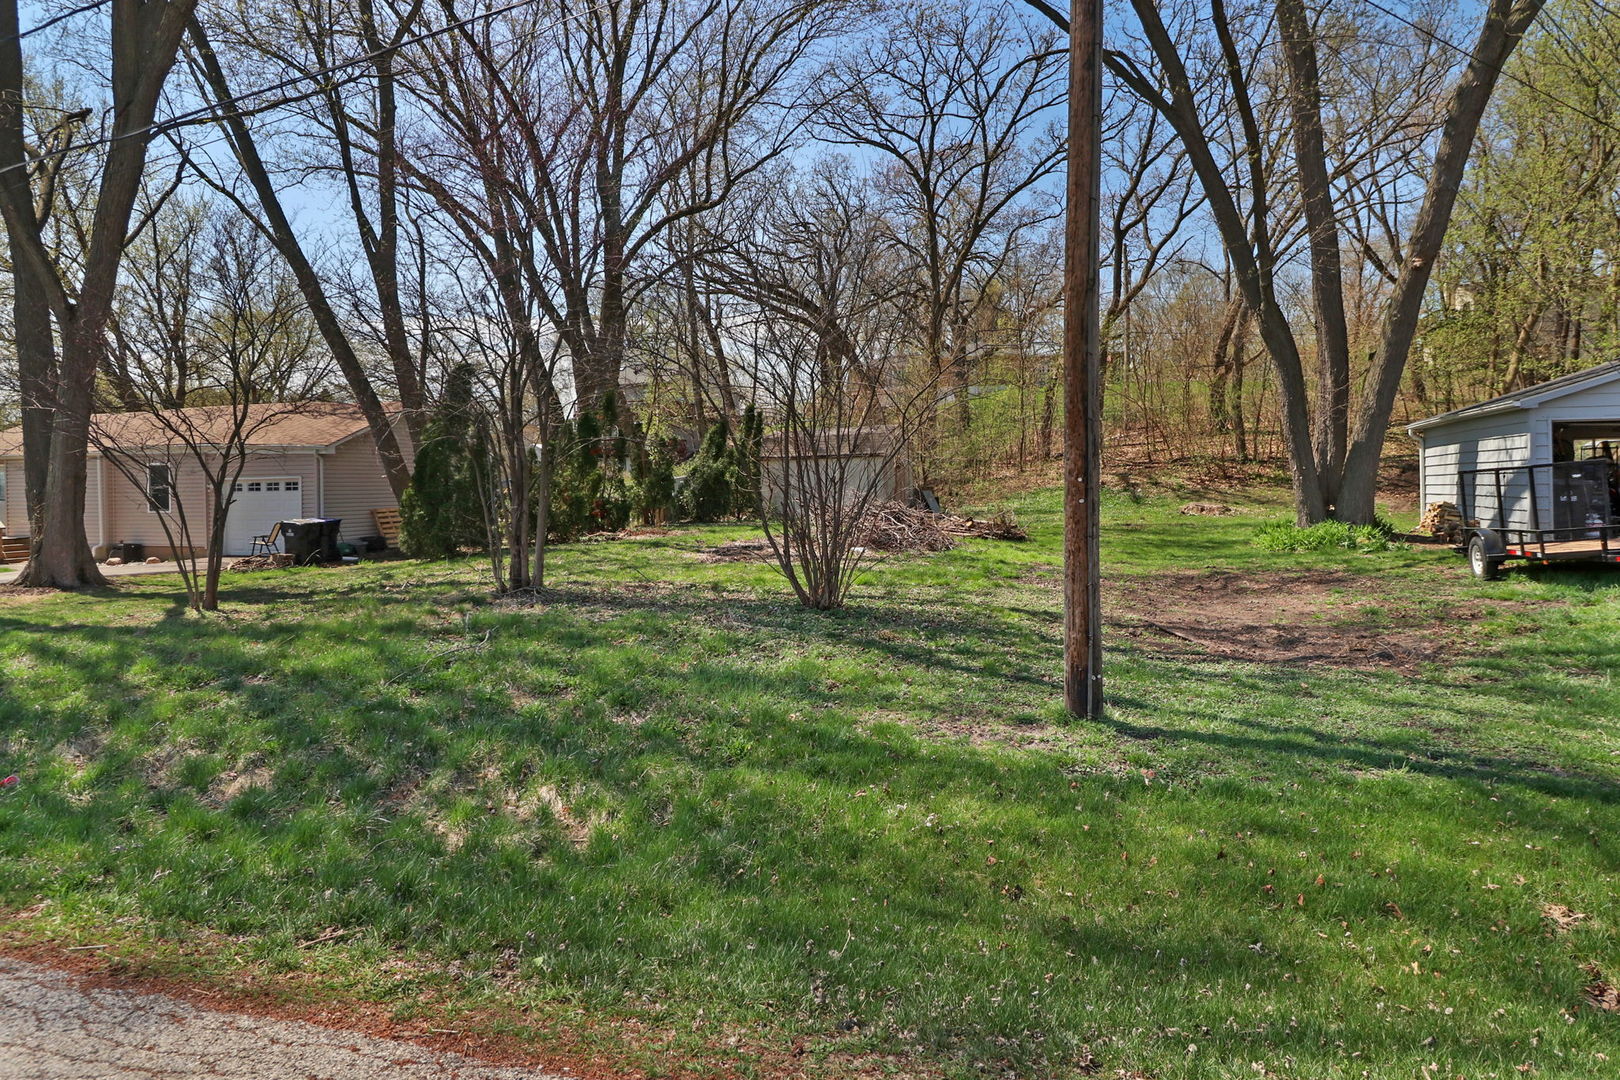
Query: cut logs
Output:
(1442,519)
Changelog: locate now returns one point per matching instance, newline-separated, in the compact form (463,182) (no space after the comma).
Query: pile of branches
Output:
(1000,527)
(893,526)
(273,561)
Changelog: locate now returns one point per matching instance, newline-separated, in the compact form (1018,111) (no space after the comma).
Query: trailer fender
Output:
(1494,547)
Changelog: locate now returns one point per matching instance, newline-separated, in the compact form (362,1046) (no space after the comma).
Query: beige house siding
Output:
(345,481)
(353,483)
(14,507)
(128,518)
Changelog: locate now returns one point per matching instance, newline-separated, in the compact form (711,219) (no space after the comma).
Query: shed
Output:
(868,462)
(1569,419)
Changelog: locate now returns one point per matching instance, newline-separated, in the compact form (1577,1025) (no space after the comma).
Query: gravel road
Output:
(52,1028)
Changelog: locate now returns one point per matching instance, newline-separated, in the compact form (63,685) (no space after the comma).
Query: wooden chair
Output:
(266,544)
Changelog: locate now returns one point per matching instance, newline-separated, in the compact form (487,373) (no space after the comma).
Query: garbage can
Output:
(329,539)
(129,551)
(310,540)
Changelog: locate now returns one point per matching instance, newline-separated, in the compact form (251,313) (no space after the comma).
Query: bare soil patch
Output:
(1318,617)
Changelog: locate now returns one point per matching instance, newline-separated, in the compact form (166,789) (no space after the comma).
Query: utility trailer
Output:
(1504,517)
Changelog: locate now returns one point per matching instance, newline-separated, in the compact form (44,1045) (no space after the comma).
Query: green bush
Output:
(654,494)
(588,489)
(440,513)
(711,482)
(1325,536)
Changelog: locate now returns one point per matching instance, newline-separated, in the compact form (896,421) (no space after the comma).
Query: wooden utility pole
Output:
(1082,367)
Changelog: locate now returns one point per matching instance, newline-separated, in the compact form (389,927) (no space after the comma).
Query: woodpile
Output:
(1442,519)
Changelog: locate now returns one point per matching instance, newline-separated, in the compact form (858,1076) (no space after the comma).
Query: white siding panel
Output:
(1486,442)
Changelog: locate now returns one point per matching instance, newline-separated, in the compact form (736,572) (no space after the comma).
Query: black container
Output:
(129,551)
(310,540)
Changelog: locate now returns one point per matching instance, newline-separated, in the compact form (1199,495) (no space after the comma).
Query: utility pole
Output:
(1082,367)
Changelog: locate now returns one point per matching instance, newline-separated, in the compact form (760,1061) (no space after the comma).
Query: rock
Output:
(114,561)
(152,560)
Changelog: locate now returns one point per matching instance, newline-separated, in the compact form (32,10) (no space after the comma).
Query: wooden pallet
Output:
(14,549)
(388,524)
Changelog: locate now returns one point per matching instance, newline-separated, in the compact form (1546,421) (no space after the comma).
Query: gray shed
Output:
(1569,419)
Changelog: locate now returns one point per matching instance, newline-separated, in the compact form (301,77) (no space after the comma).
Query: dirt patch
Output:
(1329,617)
(1600,992)
(1561,918)
(1207,509)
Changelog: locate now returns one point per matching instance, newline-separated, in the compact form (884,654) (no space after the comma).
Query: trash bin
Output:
(311,540)
(128,550)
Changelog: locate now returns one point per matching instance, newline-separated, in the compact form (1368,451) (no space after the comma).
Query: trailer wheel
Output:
(1486,567)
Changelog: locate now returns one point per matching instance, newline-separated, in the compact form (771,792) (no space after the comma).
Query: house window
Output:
(292,485)
(254,485)
(159,482)
(272,485)
(2,483)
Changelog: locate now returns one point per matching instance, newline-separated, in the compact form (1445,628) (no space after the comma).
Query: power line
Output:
(48,23)
(1499,69)
(212,111)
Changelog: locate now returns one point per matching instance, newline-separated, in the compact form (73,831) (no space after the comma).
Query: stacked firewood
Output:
(1442,519)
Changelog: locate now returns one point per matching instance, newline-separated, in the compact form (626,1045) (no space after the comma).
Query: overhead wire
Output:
(214,111)
(1500,69)
(53,20)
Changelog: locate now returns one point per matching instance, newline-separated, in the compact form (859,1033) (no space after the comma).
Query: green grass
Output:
(665,793)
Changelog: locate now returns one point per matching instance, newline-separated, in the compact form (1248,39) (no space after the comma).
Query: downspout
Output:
(101,502)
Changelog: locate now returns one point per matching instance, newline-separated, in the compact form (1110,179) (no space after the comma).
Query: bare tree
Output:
(957,101)
(613,110)
(267,211)
(820,290)
(249,349)
(144,41)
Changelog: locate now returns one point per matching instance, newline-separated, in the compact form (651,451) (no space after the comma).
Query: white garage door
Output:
(258,503)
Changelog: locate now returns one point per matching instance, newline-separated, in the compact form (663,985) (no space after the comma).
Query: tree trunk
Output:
(279,229)
(1505,24)
(1327,277)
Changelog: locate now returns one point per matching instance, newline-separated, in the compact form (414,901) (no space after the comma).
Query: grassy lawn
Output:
(668,798)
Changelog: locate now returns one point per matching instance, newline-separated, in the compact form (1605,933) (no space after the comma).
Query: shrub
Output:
(588,490)
(1325,536)
(654,495)
(441,513)
(710,485)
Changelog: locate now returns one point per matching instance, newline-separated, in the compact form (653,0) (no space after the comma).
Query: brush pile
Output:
(893,526)
(1000,527)
(273,561)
